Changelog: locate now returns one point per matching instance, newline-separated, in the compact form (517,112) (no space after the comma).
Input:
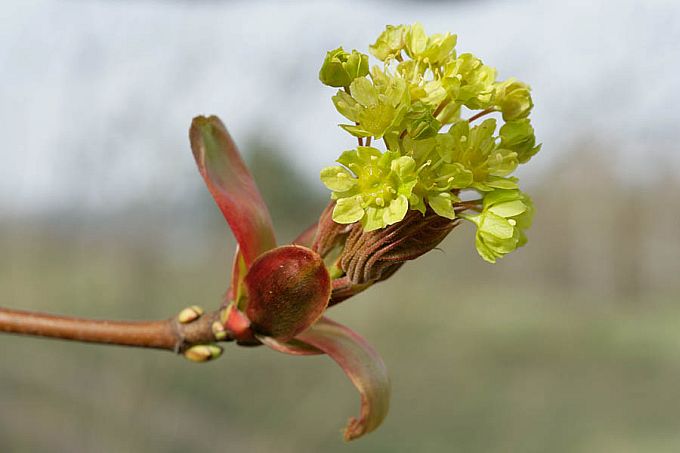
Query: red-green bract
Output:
(277,295)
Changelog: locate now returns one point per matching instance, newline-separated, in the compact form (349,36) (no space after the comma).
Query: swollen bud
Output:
(288,289)
(189,314)
(203,353)
(341,68)
(514,99)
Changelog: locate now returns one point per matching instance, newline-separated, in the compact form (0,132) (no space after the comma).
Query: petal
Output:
(508,208)
(441,204)
(232,186)
(363,366)
(496,226)
(348,210)
(396,210)
(338,179)
(363,91)
(288,289)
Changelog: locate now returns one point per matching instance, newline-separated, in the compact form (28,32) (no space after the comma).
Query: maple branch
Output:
(167,334)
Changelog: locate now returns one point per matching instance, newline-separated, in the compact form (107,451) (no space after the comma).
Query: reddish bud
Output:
(288,289)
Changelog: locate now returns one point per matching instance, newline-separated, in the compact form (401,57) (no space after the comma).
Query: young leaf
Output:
(363,366)
(232,186)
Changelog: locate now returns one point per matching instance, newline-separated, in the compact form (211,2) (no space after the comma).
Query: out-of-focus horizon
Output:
(569,344)
(96,97)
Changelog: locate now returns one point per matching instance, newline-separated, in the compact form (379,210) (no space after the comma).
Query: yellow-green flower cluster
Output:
(425,102)
(373,189)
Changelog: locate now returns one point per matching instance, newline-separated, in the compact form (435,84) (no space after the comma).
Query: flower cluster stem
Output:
(481,114)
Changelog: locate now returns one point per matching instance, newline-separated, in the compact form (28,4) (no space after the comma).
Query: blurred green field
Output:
(478,363)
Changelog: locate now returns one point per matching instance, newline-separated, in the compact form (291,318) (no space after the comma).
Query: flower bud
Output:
(288,289)
(514,99)
(203,353)
(341,68)
(189,314)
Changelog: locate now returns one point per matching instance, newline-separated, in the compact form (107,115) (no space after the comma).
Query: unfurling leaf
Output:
(232,186)
(363,366)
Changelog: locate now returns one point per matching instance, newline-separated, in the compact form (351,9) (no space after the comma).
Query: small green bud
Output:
(514,99)
(189,314)
(218,330)
(203,353)
(340,68)
(519,136)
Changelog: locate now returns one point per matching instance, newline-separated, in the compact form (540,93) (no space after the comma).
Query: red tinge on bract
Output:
(232,186)
(363,366)
(283,290)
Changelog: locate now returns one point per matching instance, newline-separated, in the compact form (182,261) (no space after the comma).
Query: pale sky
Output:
(96,96)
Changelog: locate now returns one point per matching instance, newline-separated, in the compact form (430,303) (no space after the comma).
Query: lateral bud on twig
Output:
(203,353)
(219,331)
(189,314)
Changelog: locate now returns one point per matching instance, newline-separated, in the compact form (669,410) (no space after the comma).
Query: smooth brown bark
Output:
(162,334)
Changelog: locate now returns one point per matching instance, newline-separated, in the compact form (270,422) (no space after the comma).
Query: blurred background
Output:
(570,344)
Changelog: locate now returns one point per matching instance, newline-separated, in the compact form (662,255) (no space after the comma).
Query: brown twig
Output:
(167,334)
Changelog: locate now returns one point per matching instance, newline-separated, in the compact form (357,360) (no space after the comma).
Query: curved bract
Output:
(232,186)
(277,295)
(363,366)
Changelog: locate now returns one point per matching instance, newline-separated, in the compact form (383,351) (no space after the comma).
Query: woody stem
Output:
(167,334)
